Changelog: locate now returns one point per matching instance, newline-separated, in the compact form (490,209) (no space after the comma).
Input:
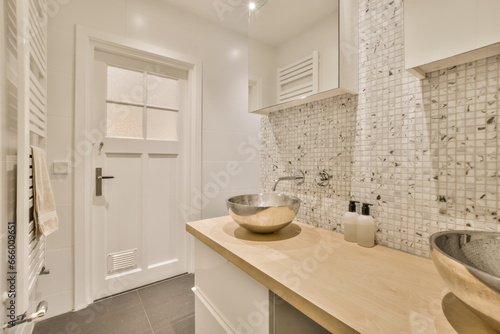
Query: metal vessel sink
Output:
(263,213)
(469,263)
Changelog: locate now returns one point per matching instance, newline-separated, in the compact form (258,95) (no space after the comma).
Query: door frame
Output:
(87,41)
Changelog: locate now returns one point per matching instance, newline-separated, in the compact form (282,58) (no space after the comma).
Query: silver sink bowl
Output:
(263,213)
(469,263)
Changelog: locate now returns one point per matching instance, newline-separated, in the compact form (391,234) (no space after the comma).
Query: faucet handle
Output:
(322,179)
(299,176)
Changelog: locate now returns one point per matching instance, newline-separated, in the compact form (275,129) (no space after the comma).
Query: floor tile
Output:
(166,307)
(116,315)
(184,326)
(169,302)
(120,314)
(64,323)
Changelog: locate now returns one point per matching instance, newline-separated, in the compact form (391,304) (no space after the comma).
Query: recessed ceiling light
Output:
(252,5)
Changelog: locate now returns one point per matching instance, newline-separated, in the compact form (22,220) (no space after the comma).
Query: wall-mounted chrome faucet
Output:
(298,176)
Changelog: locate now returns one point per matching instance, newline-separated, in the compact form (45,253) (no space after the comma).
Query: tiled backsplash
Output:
(424,152)
(314,137)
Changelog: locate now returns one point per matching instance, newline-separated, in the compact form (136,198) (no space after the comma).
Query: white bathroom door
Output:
(138,233)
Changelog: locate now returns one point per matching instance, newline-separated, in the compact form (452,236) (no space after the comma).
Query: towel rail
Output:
(27,71)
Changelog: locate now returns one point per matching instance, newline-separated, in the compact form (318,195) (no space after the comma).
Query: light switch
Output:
(60,167)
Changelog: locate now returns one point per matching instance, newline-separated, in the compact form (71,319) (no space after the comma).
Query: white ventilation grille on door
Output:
(122,261)
(298,79)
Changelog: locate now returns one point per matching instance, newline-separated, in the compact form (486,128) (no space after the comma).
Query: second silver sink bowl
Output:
(469,263)
(263,213)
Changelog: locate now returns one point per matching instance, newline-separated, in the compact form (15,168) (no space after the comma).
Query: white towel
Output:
(46,219)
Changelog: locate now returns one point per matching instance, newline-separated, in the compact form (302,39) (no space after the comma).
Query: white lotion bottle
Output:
(366,227)
(351,223)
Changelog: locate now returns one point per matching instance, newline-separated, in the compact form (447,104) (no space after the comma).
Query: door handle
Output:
(98,181)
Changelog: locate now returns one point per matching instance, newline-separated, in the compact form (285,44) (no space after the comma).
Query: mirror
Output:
(293,50)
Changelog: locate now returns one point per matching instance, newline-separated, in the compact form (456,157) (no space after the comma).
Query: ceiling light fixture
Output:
(255,5)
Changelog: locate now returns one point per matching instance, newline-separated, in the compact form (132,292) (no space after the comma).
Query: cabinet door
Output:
(207,320)
(241,302)
(439,29)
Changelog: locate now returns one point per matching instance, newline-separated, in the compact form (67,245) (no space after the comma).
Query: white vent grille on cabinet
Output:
(121,261)
(298,79)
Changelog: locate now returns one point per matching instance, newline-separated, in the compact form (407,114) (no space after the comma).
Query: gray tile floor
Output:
(166,307)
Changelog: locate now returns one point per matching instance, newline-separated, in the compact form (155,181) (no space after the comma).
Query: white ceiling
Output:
(273,24)
(231,14)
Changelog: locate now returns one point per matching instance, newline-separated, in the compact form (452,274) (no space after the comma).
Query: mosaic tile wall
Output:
(424,152)
(314,137)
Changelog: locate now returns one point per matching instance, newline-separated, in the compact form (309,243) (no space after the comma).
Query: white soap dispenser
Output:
(366,227)
(350,223)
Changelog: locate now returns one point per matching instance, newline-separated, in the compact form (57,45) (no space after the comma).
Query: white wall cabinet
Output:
(444,33)
(227,300)
(333,40)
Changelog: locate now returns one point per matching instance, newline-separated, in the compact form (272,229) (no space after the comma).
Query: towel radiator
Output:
(26,40)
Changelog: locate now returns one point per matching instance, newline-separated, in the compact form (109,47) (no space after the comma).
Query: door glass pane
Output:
(162,124)
(125,85)
(124,121)
(163,92)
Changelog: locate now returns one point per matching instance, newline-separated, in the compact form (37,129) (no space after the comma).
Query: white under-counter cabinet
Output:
(444,33)
(227,300)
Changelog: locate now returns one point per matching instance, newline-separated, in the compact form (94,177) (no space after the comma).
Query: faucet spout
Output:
(298,176)
(281,179)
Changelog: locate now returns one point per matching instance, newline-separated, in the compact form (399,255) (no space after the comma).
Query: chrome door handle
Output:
(98,181)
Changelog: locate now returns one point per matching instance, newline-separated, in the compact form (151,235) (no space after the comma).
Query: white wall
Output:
(227,127)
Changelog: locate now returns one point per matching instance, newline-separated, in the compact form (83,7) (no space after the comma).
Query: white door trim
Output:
(87,40)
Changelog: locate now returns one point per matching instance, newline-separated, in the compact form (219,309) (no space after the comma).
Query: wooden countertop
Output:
(340,285)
